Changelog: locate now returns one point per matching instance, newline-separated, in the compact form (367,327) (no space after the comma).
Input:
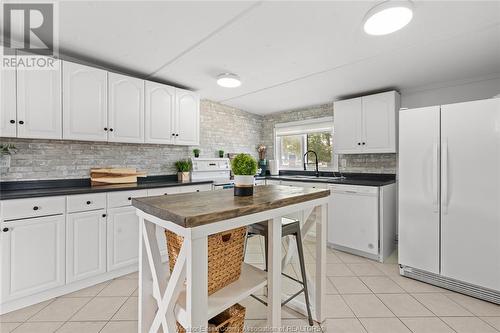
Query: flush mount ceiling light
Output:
(388,17)
(228,80)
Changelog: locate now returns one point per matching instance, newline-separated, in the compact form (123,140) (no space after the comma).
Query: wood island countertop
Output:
(195,209)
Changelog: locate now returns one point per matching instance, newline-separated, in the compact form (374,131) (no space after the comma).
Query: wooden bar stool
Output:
(289,227)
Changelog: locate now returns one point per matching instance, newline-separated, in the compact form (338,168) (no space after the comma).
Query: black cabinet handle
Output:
(177,134)
(364,143)
(197,190)
(12,121)
(111,130)
(359,143)
(103,215)
(129,198)
(21,122)
(36,208)
(105,128)
(89,202)
(173,134)
(5,229)
(165,193)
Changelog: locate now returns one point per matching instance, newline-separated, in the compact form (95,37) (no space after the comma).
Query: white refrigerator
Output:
(449,196)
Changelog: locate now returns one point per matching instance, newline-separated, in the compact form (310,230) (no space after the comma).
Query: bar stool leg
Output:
(300,251)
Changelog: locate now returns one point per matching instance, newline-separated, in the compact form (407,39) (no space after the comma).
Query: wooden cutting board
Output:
(104,176)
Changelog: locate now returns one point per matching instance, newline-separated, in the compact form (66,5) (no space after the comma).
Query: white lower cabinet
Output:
(86,245)
(33,252)
(123,237)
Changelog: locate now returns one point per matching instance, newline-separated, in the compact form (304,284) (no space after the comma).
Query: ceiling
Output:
(289,54)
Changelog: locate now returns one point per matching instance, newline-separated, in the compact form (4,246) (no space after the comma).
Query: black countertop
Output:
(361,179)
(45,188)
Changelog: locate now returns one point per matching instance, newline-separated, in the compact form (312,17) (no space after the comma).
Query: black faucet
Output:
(305,164)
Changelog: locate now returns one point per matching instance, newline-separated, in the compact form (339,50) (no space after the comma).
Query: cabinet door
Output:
(126,109)
(39,113)
(379,123)
(187,118)
(8,117)
(85,110)
(123,237)
(160,106)
(32,253)
(86,245)
(347,126)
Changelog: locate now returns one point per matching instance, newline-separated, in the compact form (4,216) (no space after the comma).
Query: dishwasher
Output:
(354,219)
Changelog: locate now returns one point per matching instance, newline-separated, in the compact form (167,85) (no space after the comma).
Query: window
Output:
(294,139)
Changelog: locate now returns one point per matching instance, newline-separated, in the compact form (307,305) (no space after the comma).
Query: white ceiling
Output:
(289,54)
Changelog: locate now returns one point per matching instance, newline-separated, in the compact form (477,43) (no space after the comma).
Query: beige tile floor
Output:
(362,296)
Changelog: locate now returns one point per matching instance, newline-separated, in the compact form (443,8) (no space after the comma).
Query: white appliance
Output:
(449,196)
(217,170)
(362,220)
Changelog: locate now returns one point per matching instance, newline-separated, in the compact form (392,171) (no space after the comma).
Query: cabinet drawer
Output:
(31,207)
(195,188)
(162,191)
(83,202)
(124,198)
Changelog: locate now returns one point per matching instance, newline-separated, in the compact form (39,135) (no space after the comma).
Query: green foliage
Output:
(7,149)
(196,151)
(321,144)
(244,165)
(221,153)
(183,165)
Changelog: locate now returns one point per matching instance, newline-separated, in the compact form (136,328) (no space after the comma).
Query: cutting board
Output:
(105,176)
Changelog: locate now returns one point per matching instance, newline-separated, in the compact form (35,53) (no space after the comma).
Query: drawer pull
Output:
(5,229)
(36,208)
(197,190)
(103,215)
(165,193)
(89,202)
(129,198)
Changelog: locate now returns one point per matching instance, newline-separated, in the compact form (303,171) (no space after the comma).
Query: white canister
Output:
(273,168)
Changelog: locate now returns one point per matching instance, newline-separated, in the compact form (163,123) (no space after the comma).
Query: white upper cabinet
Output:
(8,117)
(379,122)
(347,127)
(85,103)
(187,118)
(126,109)
(39,112)
(160,108)
(366,124)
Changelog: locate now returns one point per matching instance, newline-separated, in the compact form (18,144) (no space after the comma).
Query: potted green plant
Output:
(221,153)
(196,152)
(244,168)
(5,152)
(183,168)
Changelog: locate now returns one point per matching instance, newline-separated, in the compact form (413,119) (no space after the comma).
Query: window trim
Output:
(295,126)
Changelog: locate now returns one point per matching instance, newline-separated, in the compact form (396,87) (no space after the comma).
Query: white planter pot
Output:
(243,185)
(240,180)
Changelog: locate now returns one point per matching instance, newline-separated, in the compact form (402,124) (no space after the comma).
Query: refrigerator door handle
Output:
(444,177)
(435,177)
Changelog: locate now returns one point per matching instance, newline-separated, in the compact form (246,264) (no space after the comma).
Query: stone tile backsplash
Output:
(222,127)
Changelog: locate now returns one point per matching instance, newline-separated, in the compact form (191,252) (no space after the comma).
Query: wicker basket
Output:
(225,256)
(231,320)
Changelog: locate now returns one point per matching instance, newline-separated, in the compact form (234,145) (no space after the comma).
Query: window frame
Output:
(303,127)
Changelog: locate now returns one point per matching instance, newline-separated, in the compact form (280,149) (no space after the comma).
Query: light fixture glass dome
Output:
(388,17)
(228,80)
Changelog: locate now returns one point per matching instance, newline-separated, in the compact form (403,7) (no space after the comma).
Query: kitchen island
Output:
(183,295)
